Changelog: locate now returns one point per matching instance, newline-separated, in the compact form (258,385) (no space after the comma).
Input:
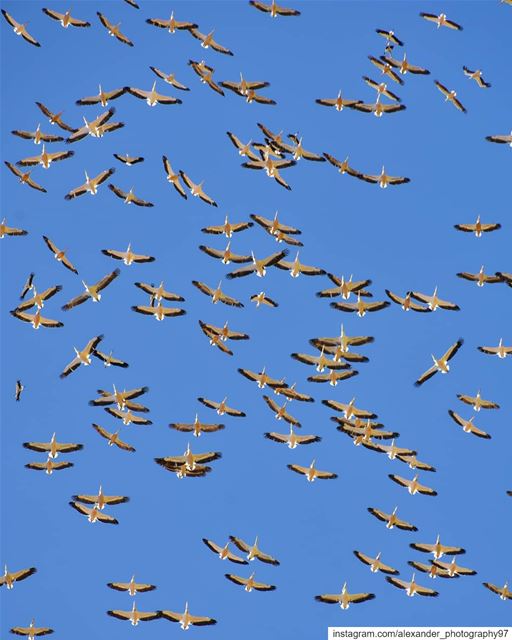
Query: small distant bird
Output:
(55,118)
(386,69)
(217,295)
(49,466)
(65,19)
(404,66)
(90,185)
(382,89)
(92,291)
(101,500)
(433,571)
(9,578)
(468,426)
(36,320)
(321,362)
(103,97)
(225,256)
(24,177)
(44,158)
(312,473)
(342,166)
(262,379)
(292,394)
(172,25)
(59,255)
(250,583)
(296,268)
(360,307)
(228,228)
(478,227)
(450,96)
(437,549)
(378,108)
(113,438)
(280,412)
(197,189)
(392,451)
(243,149)
(501,139)
(37,136)
(258,266)
(53,448)
(383,179)
(159,293)
(93,514)
(207,41)
(291,439)
(271,167)
(339,103)
(135,616)
(244,86)
(28,286)
(477,402)
(170,78)
(440,364)
(477,77)
(390,36)
(224,552)
(128,160)
(152,97)
(406,303)
(20,29)
(392,520)
(273,9)
(441,20)
(31,631)
(434,302)
(158,311)
(222,408)
(129,197)
(128,417)
(333,377)
(480,278)
(261,298)
(82,357)
(186,619)
(503,592)
(253,551)
(413,486)
(131,587)
(411,588)
(205,74)
(375,564)
(38,299)
(108,360)
(123,399)
(189,459)
(453,569)
(173,178)
(501,350)
(113,29)
(344,599)
(128,257)
(349,410)
(197,427)
(18,390)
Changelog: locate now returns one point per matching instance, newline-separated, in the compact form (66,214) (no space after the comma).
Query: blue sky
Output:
(402,238)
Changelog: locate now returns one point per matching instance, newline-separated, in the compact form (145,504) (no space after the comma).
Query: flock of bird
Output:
(333,357)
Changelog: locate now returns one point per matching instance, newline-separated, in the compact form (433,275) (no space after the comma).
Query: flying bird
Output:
(128,257)
(217,295)
(411,588)
(390,36)
(503,592)
(477,402)
(152,97)
(477,77)
(65,19)
(360,307)
(108,359)
(90,185)
(113,438)
(226,256)
(37,136)
(391,519)
(222,407)
(92,291)
(450,96)
(172,25)
(262,379)
(224,553)
(478,227)
(197,189)
(132,587)
(101,500)
(378,108)
(49,466)
(170,78)
(273,9)
(383,179)
(102,97)
(296,268)
(453,569)
(53,448)
(291,439)
(59,255)
(31,631)
(434,302)
(468,426)
(404,66)
(197,427)
(82,357)
(344,599)
(135,616)
(261,298)
(381,88)
(375,564)
(413,486)
(127,416)
(18,390)
(386,69)
(437,549)
(480,278)
(173,178)
(129,197)
(205,73)
(93,514)
(24,177)
(441,21)
(440,364)
(10,577)
(280,412)
(54,118)
(258,266)
(228,228)
(312,473)
(20,29)
(407,303)
(186,619)
(207,41)
(339,103)
(501,350)
(36,320)
(44,158)
(114,30)
(250,583)
(38,299)
(501,139)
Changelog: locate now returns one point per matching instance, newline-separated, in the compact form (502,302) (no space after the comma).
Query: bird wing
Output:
(425,376)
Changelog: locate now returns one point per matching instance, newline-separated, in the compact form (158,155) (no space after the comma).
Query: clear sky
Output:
(402,238)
